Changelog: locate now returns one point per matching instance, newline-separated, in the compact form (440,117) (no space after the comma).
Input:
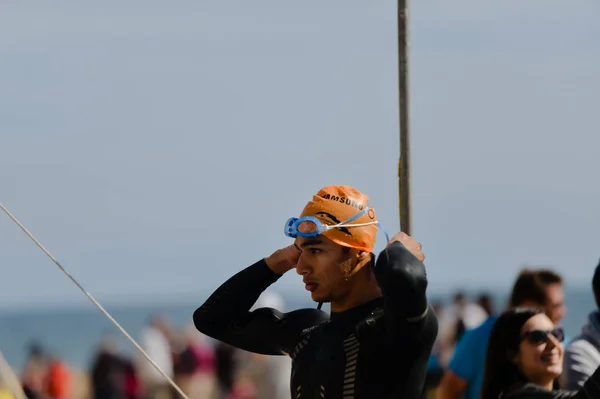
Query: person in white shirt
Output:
(155,341)
(582,354)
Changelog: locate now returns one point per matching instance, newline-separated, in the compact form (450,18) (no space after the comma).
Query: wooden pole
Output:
(404,162)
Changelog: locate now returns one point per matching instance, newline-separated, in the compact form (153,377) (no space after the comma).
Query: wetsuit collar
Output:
(358,312)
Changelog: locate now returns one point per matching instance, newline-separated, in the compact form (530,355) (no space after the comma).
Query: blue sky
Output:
(155,149)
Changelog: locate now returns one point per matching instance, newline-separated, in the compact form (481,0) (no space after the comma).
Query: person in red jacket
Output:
(58,380)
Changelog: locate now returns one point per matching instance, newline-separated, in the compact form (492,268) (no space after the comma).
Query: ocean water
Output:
(73,333)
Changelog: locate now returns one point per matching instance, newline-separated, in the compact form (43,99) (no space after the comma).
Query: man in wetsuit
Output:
(378,338)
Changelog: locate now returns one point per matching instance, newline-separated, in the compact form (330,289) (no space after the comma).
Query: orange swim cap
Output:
(333,205)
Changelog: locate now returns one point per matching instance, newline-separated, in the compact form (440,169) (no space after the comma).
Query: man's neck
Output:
(358,295)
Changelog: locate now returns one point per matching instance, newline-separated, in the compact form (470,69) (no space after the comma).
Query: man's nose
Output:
(559,314)
(302,267)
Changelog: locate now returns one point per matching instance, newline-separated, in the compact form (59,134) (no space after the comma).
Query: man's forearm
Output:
(403,282)
(233,299)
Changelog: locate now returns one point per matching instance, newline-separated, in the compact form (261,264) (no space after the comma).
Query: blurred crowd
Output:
(463,359)
(208,369)
(201,367)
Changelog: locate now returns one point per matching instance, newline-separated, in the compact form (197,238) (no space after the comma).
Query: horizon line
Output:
(141,301)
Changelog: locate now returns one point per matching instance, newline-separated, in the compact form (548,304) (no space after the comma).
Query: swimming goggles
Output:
(310,226)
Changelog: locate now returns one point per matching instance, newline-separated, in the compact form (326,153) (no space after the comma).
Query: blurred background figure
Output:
(227,359)
(486,303)
(34,372)
(194,363)
(269,374)
(460,315)
(108,372)
(244,389)
(155,339)
(59,382)
(582,354)
(466,315)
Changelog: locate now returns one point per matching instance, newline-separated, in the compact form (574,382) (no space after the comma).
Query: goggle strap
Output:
(291,225)
(357,215)
(387,237)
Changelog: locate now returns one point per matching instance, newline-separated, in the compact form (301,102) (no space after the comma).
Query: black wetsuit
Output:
(590,390)
(378,350)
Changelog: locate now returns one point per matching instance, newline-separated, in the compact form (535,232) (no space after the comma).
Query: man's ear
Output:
(363,258)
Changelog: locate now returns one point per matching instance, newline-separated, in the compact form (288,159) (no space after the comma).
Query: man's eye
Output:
(315,250)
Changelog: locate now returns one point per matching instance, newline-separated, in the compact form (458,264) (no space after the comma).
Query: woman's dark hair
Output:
(505,338)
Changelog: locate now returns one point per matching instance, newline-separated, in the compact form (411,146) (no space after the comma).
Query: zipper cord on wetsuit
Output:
(319,305)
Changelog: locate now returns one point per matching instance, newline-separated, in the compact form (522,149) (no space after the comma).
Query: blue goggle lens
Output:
(308,226)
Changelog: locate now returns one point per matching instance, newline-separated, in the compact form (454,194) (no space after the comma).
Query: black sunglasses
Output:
(541,336)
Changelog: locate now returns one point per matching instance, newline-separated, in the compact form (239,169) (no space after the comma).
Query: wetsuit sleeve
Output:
(403,282)
(410,325)
(226,316)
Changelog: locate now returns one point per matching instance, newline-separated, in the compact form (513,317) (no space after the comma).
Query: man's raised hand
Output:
(284,259)
(409,243)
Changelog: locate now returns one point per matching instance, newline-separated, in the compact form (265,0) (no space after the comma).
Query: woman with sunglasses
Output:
(525,357)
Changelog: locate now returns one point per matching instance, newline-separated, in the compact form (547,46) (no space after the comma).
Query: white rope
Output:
(173,384)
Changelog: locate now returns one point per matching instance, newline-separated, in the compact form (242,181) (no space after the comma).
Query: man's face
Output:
(324,267)
(555,307)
